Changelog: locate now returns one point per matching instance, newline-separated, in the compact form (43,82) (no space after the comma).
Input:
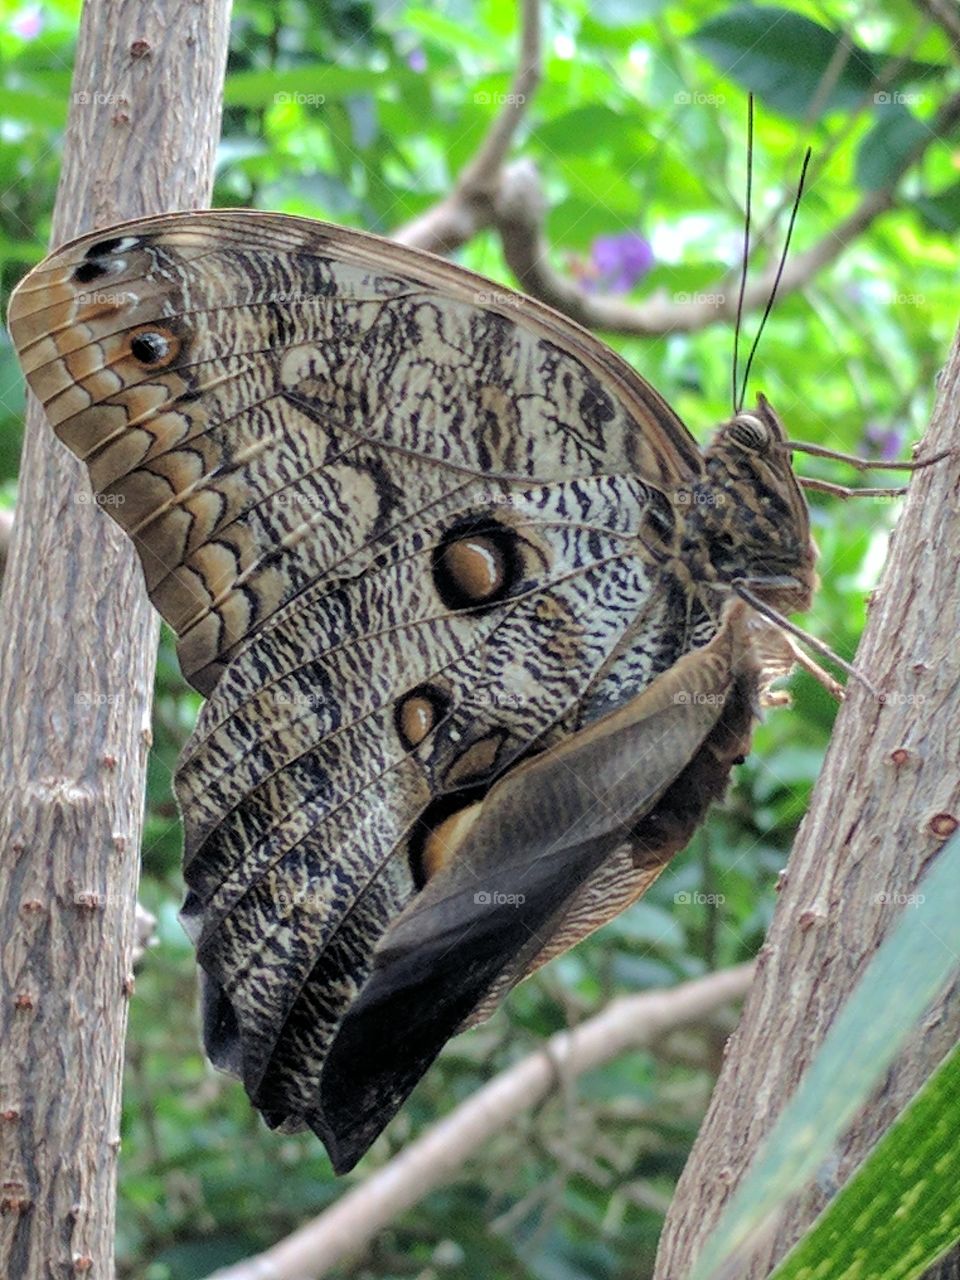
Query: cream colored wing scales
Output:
(346,731)
(264,399)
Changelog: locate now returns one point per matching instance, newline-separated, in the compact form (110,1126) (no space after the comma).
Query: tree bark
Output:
(76,675)
(887,799)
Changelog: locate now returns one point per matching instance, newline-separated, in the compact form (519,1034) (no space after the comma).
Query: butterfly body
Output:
(456,584)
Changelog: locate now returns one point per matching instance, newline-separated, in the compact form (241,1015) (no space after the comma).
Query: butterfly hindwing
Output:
(641,777)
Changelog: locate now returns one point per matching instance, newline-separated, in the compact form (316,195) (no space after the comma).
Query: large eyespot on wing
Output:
(642,775)
(336,755)
(265,399)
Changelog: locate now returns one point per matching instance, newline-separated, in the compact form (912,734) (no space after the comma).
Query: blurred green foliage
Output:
(363,113)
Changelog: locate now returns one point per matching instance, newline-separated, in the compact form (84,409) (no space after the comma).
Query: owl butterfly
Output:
(460,591)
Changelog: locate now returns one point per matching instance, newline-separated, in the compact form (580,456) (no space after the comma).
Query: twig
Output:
(520,215)
(469,206)
(946,15)
(346,1227)
(510,197)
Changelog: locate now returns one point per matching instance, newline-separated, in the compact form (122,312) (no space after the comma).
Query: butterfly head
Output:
(753,513)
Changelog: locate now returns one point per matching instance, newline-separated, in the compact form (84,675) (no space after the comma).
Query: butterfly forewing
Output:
(263,399)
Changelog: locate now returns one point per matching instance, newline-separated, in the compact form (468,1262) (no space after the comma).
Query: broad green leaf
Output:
(308,85)
(911,966)
(590,128)
(887,145)
(941,211)
(900,1211)
(782,57)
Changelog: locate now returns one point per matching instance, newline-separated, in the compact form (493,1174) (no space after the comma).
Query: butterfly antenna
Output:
(780,266)
(746,252)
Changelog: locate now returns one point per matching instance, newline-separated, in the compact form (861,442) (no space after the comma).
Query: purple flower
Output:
(417,60)
(618,262)
(882,442)
(28,23)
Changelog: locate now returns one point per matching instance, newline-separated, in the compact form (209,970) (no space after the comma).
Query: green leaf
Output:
(900,1211)
(912,965)
(308,85)
(941,211)
(885,148)
(782,57)
(589,128)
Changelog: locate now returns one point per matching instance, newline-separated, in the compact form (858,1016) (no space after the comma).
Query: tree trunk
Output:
(886,801)
(76,674)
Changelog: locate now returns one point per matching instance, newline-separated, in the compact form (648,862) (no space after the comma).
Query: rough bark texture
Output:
(888,797)
(76,673)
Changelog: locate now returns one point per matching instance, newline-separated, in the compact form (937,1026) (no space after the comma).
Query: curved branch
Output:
(510,197)
(469,206)
(626,1023)
(520,214)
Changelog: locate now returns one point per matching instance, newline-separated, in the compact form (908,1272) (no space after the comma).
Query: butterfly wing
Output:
(260,398)
(639,779)
(409,532)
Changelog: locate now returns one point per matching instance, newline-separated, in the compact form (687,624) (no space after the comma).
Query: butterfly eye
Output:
(750,433)
(473,568)
(419,712)
(153,347)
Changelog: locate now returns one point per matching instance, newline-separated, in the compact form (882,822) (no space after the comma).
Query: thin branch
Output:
(510,197)
(520,215)
(627,1023)
(947,16)
(469,206)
